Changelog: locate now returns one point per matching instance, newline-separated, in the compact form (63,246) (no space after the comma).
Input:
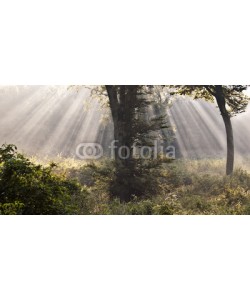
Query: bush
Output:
(26,188)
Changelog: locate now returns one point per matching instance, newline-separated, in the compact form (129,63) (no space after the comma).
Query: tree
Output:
(129,109)
(231,100)
(129,106)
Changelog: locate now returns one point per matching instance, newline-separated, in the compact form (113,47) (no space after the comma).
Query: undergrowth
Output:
(68,186)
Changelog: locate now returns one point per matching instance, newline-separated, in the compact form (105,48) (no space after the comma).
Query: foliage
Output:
(234,95)
(27,188)
(183,187)
(101,176)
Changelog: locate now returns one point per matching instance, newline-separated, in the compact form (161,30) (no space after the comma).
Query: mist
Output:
(53,120)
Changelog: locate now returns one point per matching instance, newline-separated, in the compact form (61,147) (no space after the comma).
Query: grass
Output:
(185,187)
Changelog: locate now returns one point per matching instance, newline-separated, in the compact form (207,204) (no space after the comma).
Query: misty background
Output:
(53,120)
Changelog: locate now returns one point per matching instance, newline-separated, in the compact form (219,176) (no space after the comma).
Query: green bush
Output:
(26,188)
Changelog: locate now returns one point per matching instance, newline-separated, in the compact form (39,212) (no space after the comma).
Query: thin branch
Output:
(209,90)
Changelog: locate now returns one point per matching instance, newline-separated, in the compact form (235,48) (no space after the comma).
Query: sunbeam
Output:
(52,120)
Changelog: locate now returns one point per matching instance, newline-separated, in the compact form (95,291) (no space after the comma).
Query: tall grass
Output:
(183,187)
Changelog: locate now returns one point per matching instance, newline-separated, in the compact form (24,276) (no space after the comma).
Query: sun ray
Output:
(53,120)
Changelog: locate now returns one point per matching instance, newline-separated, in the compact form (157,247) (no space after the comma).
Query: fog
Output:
(52,120)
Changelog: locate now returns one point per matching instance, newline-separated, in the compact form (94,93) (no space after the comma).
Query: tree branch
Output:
(209,90)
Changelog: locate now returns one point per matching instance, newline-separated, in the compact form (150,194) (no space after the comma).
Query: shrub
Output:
(26,188)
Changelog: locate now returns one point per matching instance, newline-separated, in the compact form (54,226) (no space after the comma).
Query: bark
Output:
(121,99)
(220,98)
(121,110)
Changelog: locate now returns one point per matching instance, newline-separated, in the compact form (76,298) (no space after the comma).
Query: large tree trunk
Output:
(229,130)
(121,103)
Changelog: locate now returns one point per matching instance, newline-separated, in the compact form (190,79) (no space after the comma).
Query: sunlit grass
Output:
(211,166)
(185,187)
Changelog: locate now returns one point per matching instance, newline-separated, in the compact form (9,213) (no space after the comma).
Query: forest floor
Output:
(185,187)
(29,185)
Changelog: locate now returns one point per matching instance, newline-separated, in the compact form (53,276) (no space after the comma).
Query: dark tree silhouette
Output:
(231,100)
(129,106)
